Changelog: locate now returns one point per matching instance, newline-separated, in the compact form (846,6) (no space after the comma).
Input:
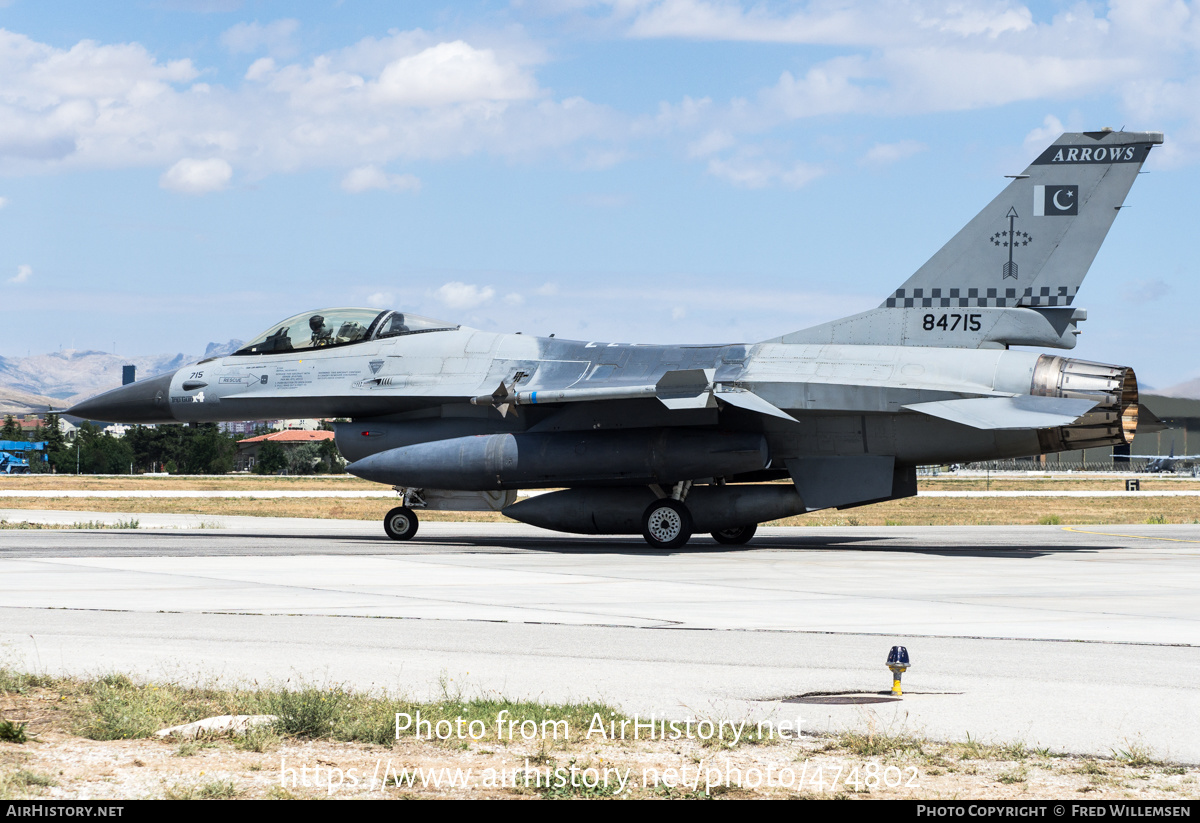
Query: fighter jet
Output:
(1157,464)
(669,441)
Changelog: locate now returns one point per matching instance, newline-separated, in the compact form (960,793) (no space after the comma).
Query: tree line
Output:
(194,448)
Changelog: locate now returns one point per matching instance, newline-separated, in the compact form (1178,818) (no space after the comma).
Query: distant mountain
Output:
(19,402)
(222,349)
(64,377)
(1189,389)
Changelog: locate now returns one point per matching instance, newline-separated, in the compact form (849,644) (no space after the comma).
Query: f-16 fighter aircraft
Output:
(668,441)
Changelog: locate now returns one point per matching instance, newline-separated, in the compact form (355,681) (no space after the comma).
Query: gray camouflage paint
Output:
(847,409)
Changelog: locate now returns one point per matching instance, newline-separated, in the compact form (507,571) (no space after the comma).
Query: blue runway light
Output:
(898,662)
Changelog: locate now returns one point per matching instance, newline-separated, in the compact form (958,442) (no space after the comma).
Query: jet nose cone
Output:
(373,467)
(147,401)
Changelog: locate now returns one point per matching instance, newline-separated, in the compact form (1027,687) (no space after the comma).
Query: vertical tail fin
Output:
(1034,243)
(1030,248)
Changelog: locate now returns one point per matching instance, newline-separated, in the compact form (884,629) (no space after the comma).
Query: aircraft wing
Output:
(676,389)
(1162,456)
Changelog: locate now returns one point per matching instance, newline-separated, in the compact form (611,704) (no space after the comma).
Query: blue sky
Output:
(174,172)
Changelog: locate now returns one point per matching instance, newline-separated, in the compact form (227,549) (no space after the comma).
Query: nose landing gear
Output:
(400,523)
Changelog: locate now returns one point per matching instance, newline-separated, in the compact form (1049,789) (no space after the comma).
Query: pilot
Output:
(321,336)
(397,325)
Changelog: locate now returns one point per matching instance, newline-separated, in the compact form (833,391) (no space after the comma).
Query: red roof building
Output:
(248,448)
(290,436)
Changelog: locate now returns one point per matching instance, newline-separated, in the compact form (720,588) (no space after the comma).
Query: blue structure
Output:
(14,455)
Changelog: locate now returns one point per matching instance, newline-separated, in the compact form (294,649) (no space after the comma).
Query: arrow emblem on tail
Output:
(1011,238)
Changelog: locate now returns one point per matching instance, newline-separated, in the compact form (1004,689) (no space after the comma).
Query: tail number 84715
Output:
(952,322)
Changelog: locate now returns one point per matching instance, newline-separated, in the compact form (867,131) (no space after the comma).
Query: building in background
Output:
(289,440)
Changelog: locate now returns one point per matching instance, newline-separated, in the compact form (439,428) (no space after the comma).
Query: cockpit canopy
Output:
(339,327)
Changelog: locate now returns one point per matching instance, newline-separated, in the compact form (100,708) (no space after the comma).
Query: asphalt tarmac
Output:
(1076,639)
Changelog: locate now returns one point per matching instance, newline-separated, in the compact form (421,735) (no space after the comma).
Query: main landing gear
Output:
(667,522)
(736,537)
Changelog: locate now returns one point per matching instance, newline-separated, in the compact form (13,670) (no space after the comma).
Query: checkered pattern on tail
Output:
(985,298)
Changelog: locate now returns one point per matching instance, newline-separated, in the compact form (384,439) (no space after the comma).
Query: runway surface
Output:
(242,494)
(1078,639)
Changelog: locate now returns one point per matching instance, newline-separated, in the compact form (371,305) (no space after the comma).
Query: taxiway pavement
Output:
(1078,639)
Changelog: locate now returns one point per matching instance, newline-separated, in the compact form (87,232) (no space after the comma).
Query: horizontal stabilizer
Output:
(1024,411)
(1148,422)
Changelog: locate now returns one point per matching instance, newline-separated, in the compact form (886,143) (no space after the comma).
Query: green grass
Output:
(191,747)
(874,744)
(116,708)
(258,739)
(1011,776)
(11,732)
(22,783)
(1050,520)
(20,682)
(213,790)
(79,524)
(33,779)
(1136,755)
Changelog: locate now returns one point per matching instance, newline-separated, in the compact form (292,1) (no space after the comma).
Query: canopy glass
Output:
(339,327)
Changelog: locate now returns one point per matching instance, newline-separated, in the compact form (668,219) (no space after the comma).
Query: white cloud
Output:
(825,23)
(3,202)
(884,153)
(744,172)
(400,97)
(365,178)
(513,299)
(452,73)
(409,95)
(260,69)
(711,143)
(192,176)
(23,274)
(801,175)
(275,37)
(678,313)
(1039,138)
(903,58)
(749,169)
(546,290)
(381,300)
(458,295)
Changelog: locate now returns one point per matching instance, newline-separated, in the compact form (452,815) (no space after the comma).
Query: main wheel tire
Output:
(736,536)
(667,524)
(400,523)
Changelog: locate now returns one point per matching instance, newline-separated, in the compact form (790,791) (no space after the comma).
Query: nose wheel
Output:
(666,524)
(400,523)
